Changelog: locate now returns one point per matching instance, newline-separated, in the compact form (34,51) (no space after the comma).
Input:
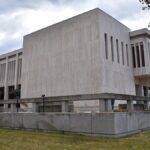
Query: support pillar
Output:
(6,86)
(13,108)
(146,105)
(65,106)
(102,107)
(34,107)
(16,71)
(105,105)
(139,92)
(130,106)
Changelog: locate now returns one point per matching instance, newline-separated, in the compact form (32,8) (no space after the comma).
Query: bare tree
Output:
(146,5)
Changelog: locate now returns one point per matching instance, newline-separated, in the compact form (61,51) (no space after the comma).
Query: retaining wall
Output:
(100,124)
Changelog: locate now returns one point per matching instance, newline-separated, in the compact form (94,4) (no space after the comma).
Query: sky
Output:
(21,17)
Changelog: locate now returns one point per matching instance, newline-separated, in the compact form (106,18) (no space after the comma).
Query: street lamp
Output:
(17,94)
(43,98)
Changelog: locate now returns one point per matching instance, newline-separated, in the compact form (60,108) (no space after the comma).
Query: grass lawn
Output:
(28,140)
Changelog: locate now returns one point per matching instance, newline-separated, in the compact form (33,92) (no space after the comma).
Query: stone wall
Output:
(100,124)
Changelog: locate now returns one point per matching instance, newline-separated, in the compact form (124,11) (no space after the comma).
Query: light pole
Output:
(17,93)
(43,98)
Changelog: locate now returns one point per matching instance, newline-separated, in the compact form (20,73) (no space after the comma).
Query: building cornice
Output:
(140,33)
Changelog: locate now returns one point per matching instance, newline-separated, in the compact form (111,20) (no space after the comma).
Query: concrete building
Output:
(10,75)
(88,54)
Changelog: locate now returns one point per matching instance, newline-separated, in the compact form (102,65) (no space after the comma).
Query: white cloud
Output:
(37,19)
(18,18)
(138,21)
(2,36)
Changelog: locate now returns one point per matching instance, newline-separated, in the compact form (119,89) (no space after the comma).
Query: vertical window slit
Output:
(112,48)
(142,54)
(106,46)
(127,54)
(138,55)
(122,48)
(117,47)
(133,56)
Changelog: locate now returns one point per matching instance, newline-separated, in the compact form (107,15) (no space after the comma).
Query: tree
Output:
(146,5)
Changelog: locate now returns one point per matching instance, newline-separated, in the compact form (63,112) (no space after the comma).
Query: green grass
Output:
(28,140)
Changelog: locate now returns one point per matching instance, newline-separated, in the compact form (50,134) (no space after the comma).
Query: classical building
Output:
(87,54)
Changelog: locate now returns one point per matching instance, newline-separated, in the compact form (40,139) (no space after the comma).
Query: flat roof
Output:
(11,53)
(140,32)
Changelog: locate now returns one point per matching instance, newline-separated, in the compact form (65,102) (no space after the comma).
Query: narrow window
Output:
(149,48)
(133,56)
(117,47)
(142,54)
(106,46)
(145,90)
(138,55)
(112,48)
(122,48)
(127,54)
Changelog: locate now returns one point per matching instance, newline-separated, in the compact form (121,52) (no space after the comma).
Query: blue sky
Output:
(21,17)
